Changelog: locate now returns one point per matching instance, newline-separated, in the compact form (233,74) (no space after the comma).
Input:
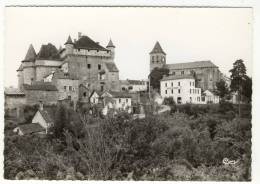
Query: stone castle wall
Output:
(47,97)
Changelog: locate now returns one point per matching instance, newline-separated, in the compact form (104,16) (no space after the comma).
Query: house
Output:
(206,72)
(134,85)
(40,91)
(95,97)
(31,128)
(120,100)
(181,88)
(209,97)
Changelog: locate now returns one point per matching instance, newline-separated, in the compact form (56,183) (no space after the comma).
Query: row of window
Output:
(179,84)
(89,66)
(89,50)
(179,91)
(157,58)
(69,88)
(198,99)
(195,91)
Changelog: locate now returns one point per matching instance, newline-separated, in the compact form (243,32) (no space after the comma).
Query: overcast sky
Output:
(221,35)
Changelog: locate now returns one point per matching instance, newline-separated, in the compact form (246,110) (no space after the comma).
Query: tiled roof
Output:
(31,128)
(48,114)
(13,92)
(41,86)
(110,44)
(157,49)
(59,74)
(86,43)
(48,51)
(175,77)
(20,68)
(111,67)
(190,65)
(69,41)
(136,82)
(119,94)
(30,55)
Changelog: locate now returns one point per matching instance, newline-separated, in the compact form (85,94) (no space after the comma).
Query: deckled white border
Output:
(216,3)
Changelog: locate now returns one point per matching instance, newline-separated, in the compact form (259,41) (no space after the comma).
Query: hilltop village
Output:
(84,72)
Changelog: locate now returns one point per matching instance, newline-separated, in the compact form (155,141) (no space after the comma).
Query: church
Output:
(207,74)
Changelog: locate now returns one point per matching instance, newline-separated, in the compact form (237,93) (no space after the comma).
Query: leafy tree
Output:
(222,89)
(156,75)
(238,76)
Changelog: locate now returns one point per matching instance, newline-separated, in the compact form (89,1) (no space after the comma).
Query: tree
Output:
(156,75)
(222,89)
(238,76)
(247,88)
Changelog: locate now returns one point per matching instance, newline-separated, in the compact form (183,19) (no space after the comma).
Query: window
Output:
(89,66)
(165,84)
(99,67)
(198,99)
(69,97)
(119,100)
(172,91)
(173,73)
(179,83)
(179,91)
(190,91)
(70,88)
(126,100)
(182,72)
(65,87)
(84,94)
(190,99)
(165,91)
(102,88)
(190,83)
(172,83)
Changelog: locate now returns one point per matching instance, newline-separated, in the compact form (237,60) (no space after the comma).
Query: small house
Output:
(209,97)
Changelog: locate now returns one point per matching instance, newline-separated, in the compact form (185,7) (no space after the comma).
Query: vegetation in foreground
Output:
(189,143)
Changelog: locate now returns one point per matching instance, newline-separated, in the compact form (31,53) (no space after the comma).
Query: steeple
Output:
(110,44)
(157,49)
(69,41)
(31,54)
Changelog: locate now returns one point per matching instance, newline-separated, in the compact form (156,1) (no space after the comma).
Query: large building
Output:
(206,73)
(81,64)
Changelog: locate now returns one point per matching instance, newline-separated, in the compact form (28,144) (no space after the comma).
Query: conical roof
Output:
(157,49)
(31,54)
(110,44)
(69,41)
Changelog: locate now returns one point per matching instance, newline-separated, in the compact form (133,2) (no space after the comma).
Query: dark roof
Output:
(190,65)
(111,67)
(31,128)
(110,44)
(175,77)
(30,55)
(20,68)
(59,74)
(119,94)
(157,49)
(48,51)
(13,92)
(48,114)
(136,82)
(69,41)
(86,43)
(40,86)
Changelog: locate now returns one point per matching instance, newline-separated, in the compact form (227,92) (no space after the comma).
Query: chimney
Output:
(40,106)
(79,35)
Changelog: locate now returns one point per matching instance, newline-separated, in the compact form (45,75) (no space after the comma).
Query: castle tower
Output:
(110,46)
(69,46)
(20,77)
(28,68)
(157,57)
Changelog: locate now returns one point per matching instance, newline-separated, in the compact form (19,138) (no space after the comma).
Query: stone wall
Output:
(42,71)
(47,97)
(28,73)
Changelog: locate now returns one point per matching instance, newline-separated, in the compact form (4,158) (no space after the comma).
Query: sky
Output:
(221,35)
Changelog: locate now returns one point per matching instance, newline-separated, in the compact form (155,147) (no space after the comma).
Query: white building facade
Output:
(181,88)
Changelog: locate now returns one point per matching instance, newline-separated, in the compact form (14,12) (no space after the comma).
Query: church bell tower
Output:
(157,57)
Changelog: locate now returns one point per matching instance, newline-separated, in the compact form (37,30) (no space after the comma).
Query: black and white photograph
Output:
(148,93)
